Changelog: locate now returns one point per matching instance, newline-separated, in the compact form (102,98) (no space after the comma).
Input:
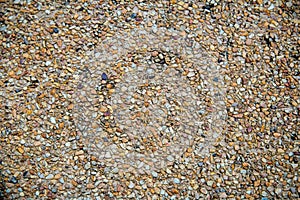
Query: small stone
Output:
(170,158)
(53,120)
(48,63)
(131,185)
(154,53)
(248,42)
(271,7)
(87,166)
(67,144)
(50,176)
(264,193)
(154,174)
(20,150)
(176,180)
(210,183)
(133,15)
(90,186)
(191,74)
(223,195)
(293,190)
(55,30)
(13,180)
(289,4)
(203,190)
(54,190)
(280,150)
(61,180)
(104,76)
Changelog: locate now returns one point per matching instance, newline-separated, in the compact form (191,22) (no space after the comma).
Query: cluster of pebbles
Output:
(158,103)
(149,99)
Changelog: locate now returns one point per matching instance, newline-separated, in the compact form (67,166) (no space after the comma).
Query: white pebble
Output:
(131,185)
(176,180)
(48,63)
(50,176)
(170,158)
(53,120)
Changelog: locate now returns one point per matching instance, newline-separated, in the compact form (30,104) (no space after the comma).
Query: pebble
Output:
(13,180)
(203,190)
(50,176)
(67,144)
(191,74)
(104,77)
(48,63)
(87,166)
(55,30)
(131,185)
(176,180)
(154,174)
(170,158)
(53,120)
(210,183)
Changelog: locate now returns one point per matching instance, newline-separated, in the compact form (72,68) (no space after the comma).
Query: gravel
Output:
(149,100)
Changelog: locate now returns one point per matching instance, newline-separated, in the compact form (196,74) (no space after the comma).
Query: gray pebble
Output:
(176,180)
(87,166)
(170,158)
(154,174)
(50,176)
(131,185)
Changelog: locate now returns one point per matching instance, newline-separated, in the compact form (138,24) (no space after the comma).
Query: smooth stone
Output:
(48,63)
(170,158)
(53,120)
(50,176)
(176,180)
(210,183)
(203,190)
(87,166)
(68,144)
(154,174)
(131,185)
(14,180)
(191,74)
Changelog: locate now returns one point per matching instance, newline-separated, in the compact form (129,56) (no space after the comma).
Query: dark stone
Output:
(273,107)
(215,79)
(13,180)
(207,7)
(104,77)
(25,174)
(133,15)
(55,30)
(54,190)
(200,164)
